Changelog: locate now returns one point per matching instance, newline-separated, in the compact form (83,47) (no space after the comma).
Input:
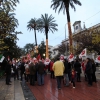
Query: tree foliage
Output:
(8,33)
(87,40)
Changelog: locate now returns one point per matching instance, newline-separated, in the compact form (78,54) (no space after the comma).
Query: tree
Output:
(47,24)
(41,49)
(8,5)
(87,40)
(64,5)
(33,24)
(28,47)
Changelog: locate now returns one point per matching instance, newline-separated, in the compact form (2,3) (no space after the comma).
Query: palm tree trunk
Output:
(35,37)
(70,32)
(47,55)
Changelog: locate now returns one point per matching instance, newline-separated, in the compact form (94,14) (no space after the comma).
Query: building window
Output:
(76,27)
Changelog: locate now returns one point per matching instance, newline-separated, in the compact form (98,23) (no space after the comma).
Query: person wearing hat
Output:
(58,68)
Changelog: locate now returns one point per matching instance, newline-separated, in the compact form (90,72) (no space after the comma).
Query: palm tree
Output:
(47,23)
(33,24)
(64,5)
(8,4)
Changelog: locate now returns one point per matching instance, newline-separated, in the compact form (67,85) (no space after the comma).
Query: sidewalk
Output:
(11,92)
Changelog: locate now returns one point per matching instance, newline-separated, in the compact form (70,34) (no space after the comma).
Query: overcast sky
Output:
(89,13)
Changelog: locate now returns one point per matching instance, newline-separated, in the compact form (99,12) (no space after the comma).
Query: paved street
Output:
(23,91)
(49,91)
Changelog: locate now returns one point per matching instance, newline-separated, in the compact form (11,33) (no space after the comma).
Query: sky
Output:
(89,13)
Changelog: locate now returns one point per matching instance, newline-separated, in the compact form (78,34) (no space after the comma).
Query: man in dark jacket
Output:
(66,78)
(22,70)
(77,67)
(32,70)
(89,71)
(8,72)
(40,71)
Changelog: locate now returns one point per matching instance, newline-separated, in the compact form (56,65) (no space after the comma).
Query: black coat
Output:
(66,67)
(8,69)
(15,69)
(94,67)
(40,68)
(89,67)
(77,67)
(22,67)
(32,69)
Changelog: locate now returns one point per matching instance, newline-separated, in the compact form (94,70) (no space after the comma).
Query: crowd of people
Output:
(61,69)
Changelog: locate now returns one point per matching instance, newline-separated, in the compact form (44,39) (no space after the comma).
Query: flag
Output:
(47,61)
(71,58)
(38,57)
(83,53)
(98,59)
(1,58)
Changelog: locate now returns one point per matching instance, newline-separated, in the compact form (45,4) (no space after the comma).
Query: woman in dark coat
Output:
(89,71)
(32,70)
(77,67)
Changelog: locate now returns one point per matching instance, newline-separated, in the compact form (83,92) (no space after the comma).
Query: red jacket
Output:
(51,65)
(73,74)
(83,66)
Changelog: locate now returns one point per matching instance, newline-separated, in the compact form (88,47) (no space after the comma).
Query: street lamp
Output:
(44,55)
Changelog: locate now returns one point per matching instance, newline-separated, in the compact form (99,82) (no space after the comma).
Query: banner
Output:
(1,58)
(83,53)
(71,58)
(98,59)
(47,61)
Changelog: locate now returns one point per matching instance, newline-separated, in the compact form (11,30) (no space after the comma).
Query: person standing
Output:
(15,69)
(58,68)
(22,70)
(8,72)
(66,78)
(73,77)
(40,72)
(89,71)
(27,72)
(52,72)
(32,70)
(77,67)
(94,70)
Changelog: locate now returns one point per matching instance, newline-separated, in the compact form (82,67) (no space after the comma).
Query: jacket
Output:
(89,67)
(51,65)
(32,69)
(66,67)
(40,68)
(58,68)
(77,67)
(8,69)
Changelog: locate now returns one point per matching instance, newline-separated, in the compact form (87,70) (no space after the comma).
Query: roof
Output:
(76,22)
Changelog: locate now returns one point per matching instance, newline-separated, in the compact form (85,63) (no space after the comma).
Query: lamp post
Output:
(44,55)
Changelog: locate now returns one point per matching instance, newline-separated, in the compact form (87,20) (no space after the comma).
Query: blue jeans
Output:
(40,79)
(59,81)
(66,79)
